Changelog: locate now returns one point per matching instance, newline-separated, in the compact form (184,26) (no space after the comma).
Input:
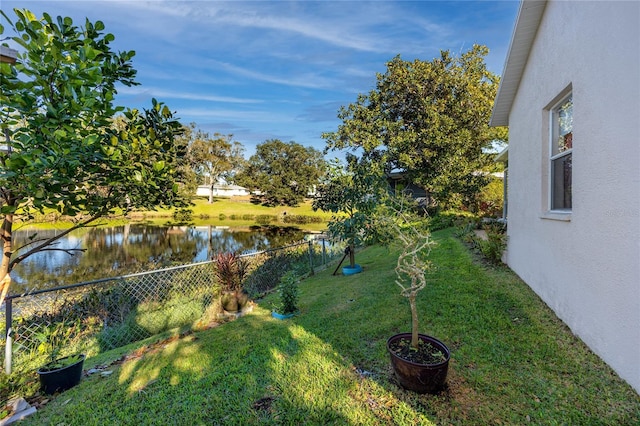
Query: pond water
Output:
(119,250)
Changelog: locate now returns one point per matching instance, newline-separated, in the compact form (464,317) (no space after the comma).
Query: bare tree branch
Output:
(48,242)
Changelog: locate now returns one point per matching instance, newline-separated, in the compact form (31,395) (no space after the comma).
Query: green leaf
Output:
(158,166)
(15,162)
(8,209)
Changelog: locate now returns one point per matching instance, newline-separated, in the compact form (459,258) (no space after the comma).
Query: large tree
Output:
(213,158)
(283,173)
(429,120)
(63,150)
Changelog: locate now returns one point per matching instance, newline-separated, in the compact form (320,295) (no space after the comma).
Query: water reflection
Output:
(118,250)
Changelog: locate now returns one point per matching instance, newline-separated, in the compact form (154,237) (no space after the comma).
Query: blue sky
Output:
(278,69)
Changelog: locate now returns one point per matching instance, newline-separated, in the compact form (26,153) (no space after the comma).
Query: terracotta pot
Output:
(233,301)
(420,378)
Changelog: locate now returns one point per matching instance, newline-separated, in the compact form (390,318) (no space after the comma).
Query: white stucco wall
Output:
(586,269)
(221,191)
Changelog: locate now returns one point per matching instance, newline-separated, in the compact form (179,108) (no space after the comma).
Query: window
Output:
(560,154)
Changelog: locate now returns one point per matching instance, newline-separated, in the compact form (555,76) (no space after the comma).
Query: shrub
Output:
(288,291)
(447,219)
(496,242)
(492,248)
(183,215)
(300,219)
(265,219)
(267,275)
(490,200)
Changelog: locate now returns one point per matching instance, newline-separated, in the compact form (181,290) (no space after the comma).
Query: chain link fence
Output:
(100,315)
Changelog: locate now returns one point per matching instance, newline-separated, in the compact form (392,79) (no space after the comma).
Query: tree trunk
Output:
(414,320)
(352,256)
(5,265)
(210,189)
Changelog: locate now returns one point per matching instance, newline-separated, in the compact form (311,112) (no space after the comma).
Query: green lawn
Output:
(233,212)
(240,206)
(513,361)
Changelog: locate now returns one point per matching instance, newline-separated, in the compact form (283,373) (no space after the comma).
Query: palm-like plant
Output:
(230,271)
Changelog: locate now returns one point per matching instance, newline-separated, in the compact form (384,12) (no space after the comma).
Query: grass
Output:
(513,361)
(224,211)
(237,207)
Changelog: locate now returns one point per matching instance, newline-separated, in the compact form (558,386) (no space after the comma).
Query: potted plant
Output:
(351,193)
(420,362)
(288,291)
(59,373)
(230,271)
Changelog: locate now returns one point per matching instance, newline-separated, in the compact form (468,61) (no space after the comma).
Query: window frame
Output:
(560,155)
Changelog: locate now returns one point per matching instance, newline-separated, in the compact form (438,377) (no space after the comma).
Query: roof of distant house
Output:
(7,54)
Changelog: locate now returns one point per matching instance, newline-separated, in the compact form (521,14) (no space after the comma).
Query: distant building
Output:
(8,55)
(398,180)
(222,191)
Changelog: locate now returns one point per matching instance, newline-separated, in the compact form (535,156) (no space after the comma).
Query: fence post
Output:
(324,253)
(8,348)
(311,256)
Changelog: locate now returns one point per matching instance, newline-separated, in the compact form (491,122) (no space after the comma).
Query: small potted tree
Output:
(288,292)
(351,193)
(420,362)
(230,271)
(59,373)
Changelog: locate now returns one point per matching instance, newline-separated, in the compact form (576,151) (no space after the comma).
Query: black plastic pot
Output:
(420,378)
(60,379)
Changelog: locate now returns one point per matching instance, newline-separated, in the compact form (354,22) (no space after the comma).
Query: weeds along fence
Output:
(104,314)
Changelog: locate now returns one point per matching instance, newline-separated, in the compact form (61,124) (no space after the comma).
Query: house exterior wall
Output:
(587,266)
(221,191)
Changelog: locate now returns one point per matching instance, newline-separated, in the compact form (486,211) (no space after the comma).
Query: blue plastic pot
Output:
(282,316)
(348,270)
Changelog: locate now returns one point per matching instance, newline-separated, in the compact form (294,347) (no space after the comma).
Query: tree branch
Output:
(46,243)
(68,251)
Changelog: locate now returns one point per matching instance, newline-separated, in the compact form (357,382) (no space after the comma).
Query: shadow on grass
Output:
(513,361)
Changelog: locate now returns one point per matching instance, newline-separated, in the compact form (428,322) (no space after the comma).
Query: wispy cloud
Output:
(360,26)
(308,79)
(179,94)
(277,68)
(234,115)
